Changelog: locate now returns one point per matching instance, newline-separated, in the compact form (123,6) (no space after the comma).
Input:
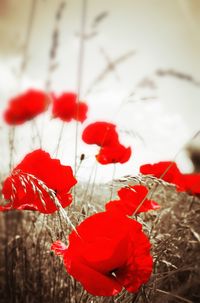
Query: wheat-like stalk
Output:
(29,179)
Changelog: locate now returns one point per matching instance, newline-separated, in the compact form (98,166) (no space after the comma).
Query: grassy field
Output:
(30,272)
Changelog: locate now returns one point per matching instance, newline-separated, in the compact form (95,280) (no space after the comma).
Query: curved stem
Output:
(113,177)
(27,40)
(59,139)
(80,71)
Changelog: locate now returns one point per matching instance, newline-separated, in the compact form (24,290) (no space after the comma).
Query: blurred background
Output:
(140,69)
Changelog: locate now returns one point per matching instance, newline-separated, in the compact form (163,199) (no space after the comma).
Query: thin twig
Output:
(172,295)
(80,71)
(113,177)
(109,68)
(59,139)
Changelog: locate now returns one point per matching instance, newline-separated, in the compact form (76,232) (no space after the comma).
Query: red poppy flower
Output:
(80,113)
(67,108)
(104,134)
(59,248)
(192,183)
(26,107)
(108,253)
(114,154)
(100,133)
(132,200)
(36,182)
(167,171)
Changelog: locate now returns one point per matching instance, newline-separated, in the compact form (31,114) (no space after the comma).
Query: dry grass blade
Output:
(181,299)
(178,75)
(109,68)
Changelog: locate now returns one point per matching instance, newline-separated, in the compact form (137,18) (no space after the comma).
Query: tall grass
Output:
(30,272)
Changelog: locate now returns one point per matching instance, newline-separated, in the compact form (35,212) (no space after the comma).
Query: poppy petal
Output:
(100,133)
(26,106)
(81,110)
(37,181)
(114,154)
(132,200)
(59,248)
(94,282)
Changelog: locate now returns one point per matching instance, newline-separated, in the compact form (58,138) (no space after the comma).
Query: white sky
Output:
(165,35)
